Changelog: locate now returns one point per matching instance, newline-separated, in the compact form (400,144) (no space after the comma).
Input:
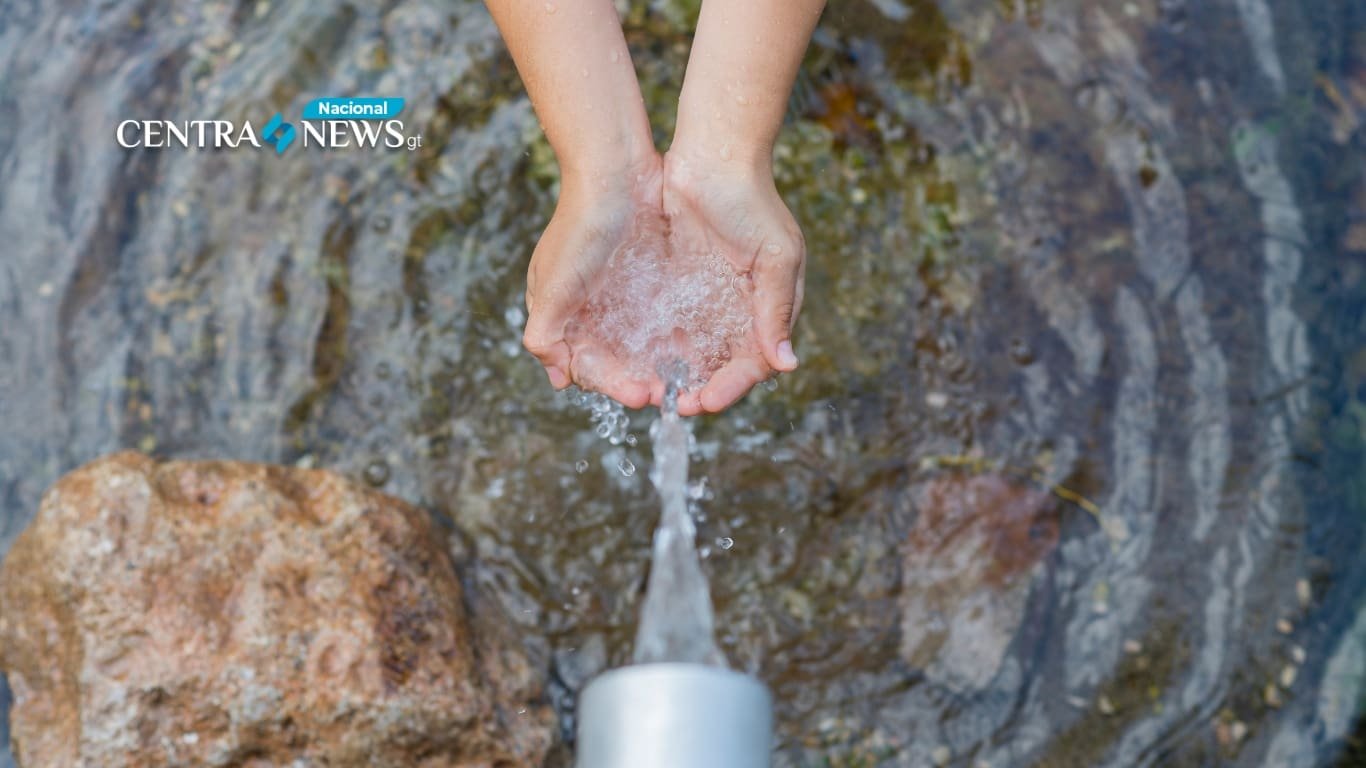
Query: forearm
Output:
(573,59)
(744,60)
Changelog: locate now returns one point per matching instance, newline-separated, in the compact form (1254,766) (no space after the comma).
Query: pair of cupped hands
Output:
(708,203)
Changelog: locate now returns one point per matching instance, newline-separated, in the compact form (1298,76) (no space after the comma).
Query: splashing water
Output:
(664,303)
(676,623)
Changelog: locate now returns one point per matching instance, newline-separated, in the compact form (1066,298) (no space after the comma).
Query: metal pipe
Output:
(674,716)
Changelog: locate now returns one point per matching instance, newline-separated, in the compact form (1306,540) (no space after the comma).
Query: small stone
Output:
(1284,626)
(941,756)
(1272,696)
(1132,647)
(377,473)
(936,400)
(1288,675)
(1105,706)
(1297,653)
(1304,593)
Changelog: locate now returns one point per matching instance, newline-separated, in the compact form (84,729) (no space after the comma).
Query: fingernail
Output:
(786,356)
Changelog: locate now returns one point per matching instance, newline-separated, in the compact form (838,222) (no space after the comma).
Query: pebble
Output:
(1272,695)
(376,473)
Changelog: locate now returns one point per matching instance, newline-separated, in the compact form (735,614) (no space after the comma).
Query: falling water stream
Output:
(676,621)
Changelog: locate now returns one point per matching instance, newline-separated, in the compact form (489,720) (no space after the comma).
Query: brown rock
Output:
(967,567)
(218,613)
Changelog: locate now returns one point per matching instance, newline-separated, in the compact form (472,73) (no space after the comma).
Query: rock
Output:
(219,613)
(967,566)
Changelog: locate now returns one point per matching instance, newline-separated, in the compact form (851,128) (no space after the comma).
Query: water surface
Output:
(1082,379)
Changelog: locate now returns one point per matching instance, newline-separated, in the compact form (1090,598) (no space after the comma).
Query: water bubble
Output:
(376,473)
(631,440)
(603,429)
(626,467)
(581,466)
(771,383)
(725,542)
(704,552)
(514,316)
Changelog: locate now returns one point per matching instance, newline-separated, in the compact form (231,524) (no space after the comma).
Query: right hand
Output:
(593,217)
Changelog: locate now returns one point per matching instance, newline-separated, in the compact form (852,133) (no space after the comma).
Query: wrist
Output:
(628,174)
(692,166)
(720,146)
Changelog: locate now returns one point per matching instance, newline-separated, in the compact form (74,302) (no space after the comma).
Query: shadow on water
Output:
(1072,473)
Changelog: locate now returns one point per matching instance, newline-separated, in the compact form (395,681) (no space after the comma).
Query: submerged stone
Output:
(967,567)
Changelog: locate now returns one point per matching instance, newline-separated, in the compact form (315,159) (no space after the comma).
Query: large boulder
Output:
(220,613)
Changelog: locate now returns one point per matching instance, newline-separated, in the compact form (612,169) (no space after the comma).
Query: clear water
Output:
(676,620)
(1103,258)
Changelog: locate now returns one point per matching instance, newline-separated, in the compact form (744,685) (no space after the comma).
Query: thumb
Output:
(777,275)
(544,338)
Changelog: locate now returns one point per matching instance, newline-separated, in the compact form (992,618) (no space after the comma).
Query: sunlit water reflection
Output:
(1067,475)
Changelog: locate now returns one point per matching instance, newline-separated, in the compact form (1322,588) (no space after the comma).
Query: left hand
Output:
(714,205)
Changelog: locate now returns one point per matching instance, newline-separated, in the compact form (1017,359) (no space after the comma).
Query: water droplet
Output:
(725,542)
(581,466)
(616,56)
(626,467)
(604,429)
(741,100)
(725,151)
(704,552)
(584,72)
(550,8)
(377,472)
(698,489)
(773,248)
(771,383)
